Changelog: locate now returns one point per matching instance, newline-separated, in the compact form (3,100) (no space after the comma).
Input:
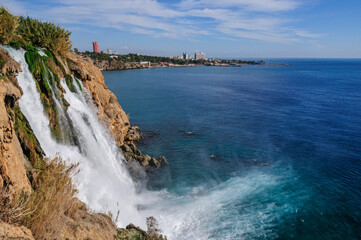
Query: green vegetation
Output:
(45,34)
(38,66)
(132,232)
(15,44)
(119,60)
(8,26)
(69,82)
(25,31)
(2,63)
(78,83)
(32,34)
(128,58)
(29,143)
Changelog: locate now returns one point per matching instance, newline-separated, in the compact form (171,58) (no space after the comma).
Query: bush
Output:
(15,44)
(2,63)
(154,232)
(45,34)
(53,195)
(8,26)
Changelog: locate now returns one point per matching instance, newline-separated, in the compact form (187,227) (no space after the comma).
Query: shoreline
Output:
(136,66)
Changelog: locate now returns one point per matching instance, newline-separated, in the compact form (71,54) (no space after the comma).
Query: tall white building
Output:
(199,56)
(185,56)
(109,51)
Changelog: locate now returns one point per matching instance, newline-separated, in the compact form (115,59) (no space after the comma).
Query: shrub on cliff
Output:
(45,34)
(8,26)
(53,196)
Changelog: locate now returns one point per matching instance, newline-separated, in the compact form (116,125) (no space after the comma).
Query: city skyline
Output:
(230,28)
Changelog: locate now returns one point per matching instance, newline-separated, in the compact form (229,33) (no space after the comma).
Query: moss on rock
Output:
(29,143)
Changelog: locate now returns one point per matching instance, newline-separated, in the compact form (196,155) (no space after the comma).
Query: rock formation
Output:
(12,161)
(109,110)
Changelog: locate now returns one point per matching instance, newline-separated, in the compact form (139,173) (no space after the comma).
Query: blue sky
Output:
(220,28)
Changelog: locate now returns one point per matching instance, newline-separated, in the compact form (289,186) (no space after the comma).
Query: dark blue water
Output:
(254,152)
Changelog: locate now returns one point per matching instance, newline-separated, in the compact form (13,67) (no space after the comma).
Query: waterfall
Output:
(103,182)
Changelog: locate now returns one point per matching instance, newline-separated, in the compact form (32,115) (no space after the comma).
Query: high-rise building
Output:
(198,56)
(95,47)
(185,56)
(109,51)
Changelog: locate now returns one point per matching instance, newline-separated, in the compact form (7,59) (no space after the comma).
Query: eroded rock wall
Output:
(109,110)
(12,161)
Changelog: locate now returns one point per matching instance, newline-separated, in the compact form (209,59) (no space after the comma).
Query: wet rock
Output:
(134,156)
(162,160)
(126,148)
(146,161)
(133,134)
(154,163)
(135,150)
(132,232)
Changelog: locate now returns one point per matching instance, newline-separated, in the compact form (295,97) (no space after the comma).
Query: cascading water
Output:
(103,182)
(105,185)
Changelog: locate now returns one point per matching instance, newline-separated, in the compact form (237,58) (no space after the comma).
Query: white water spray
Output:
(105,185)
(103,182)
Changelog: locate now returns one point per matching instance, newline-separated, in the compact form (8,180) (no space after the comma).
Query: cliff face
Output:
(109,110)
(21,152)
(12,161)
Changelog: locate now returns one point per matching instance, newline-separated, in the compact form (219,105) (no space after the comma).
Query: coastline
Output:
(133,66)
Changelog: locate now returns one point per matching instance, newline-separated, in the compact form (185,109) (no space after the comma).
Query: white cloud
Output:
(252,5)
(253,19)
(307,34)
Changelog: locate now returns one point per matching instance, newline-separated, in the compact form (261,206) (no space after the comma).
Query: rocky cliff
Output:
(109,110)
(12,161)
(21,154)
(111,113)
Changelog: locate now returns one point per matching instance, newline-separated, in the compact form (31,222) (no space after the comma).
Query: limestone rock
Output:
(12,161)
(132,232)
(126,148)
(109,110)
(162,160)
(133,134)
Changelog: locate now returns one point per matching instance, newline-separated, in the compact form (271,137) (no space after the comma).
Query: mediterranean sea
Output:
(254,152)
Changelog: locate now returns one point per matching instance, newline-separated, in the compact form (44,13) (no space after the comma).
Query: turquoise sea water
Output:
(254,152)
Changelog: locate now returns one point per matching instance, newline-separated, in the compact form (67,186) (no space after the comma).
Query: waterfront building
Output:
(198,56)
(185,56)
(95,47)
(109,51)
(145,64)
